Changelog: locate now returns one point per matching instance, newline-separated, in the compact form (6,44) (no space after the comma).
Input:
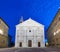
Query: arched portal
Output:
(38,44)
(20,44)
(29,43)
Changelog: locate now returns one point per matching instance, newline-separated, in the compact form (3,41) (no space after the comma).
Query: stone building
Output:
(29,34)
(53,31)
(3,33)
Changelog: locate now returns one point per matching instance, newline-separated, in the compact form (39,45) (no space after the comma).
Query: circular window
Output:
(29,30)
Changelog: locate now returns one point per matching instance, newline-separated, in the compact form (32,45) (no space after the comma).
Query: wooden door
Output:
(29,43)
(20,44)
(38,44)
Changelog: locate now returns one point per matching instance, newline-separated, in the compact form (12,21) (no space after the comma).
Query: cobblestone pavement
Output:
(30,50)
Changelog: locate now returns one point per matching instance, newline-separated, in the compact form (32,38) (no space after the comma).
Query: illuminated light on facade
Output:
(56,32)
(1,32)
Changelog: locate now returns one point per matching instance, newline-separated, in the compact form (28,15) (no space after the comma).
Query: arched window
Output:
(0,21)
(59,18)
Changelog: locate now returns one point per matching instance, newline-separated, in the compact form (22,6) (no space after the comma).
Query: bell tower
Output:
(21,20)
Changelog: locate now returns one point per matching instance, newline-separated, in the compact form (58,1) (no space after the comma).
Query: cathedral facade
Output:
(29,34)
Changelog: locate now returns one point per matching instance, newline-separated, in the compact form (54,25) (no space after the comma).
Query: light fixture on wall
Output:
(56,32)
(1,32)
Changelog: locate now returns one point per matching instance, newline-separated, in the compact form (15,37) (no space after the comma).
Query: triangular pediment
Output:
(30,22)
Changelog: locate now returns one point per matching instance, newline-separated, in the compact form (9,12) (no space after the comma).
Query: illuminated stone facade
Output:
(3,33)
(53,31)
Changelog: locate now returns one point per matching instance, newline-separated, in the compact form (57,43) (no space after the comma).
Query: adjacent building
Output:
(9,40)
(53,31)
(3,33)
(29,33)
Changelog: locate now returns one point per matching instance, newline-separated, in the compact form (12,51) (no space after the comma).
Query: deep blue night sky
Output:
(43,11)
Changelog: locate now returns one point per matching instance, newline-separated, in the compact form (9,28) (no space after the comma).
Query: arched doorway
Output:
(20,44)
(38,44)
(29,43)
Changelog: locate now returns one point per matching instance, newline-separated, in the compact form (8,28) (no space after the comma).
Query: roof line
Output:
(4,21)
(53,19)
